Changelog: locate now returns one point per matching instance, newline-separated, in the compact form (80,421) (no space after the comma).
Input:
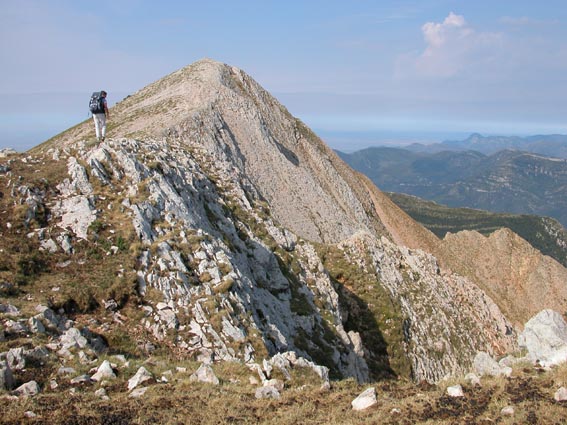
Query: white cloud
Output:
(437,34)
(452,47)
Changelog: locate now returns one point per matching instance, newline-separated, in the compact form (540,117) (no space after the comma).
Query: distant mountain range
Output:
(509,181)
(554,145)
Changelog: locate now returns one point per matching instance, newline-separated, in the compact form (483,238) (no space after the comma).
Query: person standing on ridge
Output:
(99,109)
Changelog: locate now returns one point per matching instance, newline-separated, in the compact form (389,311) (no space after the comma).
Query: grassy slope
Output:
(179,400)
(183,401)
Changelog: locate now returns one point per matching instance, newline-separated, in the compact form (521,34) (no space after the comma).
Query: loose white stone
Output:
(138,392)
(81,379)
(507,411)
(472,379)
(366,399)
(120,357)
(276,383)
(267,392)
(455,391)
(204,374)
(29,389)
(66,371)
(6,377)
(100,392)
(142,375)
(484,364)
(560,394)
(104,372)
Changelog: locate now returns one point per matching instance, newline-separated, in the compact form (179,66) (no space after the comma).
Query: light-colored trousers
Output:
(100,125)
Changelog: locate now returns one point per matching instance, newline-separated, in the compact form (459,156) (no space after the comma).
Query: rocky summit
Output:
(212,225)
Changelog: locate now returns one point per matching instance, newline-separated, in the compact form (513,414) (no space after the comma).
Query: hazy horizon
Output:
(24,124)
(400,69)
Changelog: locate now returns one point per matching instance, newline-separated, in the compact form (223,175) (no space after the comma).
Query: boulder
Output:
(6,378)
(73,338)
(16,359)
(508,411)
(101,392)
(142,375)
(472,379)
(365,400)
(268,391)
(9,309)
(16,327)
(82,379)
(205,374)
(37,354)
(104,371)
(49,245)
(29,389)
(545,338)
(49,319)
(276,383)
(455,391)
(560,394)
(484,364)
(138,392)
(36,326)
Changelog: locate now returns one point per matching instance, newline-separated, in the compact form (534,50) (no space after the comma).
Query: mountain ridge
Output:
(205,81)
(543,233)
(550,145)
(242,235)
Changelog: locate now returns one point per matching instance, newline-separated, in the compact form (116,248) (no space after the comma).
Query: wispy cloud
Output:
(526,21)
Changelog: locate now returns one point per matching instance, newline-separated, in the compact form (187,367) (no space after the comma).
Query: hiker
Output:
(99,109)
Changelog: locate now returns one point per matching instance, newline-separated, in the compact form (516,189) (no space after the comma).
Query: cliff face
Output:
(246,236)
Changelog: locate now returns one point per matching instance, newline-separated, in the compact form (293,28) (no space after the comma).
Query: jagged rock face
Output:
(446,318)
(233,281)
(230,201)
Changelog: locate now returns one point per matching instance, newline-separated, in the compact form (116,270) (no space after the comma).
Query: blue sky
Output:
(358,72)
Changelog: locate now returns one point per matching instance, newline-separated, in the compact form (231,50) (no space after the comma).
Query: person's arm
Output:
(106,110)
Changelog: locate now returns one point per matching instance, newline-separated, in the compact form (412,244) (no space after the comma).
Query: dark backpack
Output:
(96,104)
